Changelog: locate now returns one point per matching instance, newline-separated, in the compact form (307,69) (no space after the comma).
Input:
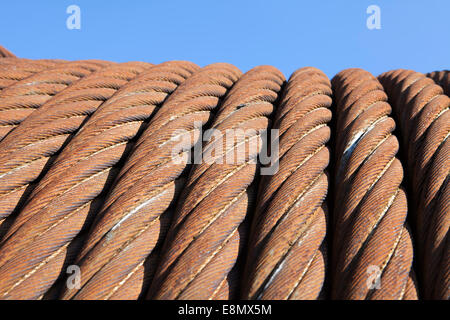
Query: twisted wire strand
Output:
(125,238)
(370,236)
(208,230)
(82,171)
(5,53)
(286,251)
(13,70)
(21,99)
(423,109)
(27,151)
(442,78)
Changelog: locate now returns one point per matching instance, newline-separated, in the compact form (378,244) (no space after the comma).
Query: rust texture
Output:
(13,70)
(423,110)
(27,264)
(442,78)
(370,236)
(150,180)
(199,257)
(19,100)
(286,254)
(126,237)
(5,53)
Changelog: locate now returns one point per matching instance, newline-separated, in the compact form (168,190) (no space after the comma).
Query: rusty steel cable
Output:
(61,202)
(208,230)
(26,151)
(13,70)
(372,249)
(124,240)
(286,254)
(19,100)
(423,109)
(25,155)
(442,78)
(5,53)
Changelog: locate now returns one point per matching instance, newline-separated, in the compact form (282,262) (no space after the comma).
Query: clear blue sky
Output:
(330,35)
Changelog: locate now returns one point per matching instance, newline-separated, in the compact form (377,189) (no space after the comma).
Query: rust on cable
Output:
(207,235)
(442,78)
(13,70)
(125,238)
(20,100)
(287,252)
(5,53)
(423,110)
(372,248)
(25,153)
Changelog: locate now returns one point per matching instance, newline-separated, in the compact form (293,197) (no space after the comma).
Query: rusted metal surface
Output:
(24,154)
(5,53)
(19,100)
(286,254)
(126,236)
(442,78)
(423,110)
(199,258)
(13,70)
(370,236)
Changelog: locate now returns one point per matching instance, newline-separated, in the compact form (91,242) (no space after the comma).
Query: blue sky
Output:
(330,35)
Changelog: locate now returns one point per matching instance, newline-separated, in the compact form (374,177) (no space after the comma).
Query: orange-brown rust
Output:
(206,236)
(125,237)
(370,236)
(286,257)
(423,110)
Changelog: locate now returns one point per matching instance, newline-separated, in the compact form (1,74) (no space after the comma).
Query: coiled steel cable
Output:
(27,150)
(82,171)
(286,255)
(371,241)
(13,70)
(5,53)
(18,101)
(442,78)
(425,124)
(125,237)
(205,237)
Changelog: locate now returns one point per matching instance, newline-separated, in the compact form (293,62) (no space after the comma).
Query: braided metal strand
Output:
(370,237)
(13,70)
(120,252)
(424,111)
(205,237)
(5,53)
(18,101)
(29,148)
(286,252)
(442,78)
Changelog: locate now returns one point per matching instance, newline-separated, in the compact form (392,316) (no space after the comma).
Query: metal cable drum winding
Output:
(25,153)
(199,257)
(120,252)
(286,254)
(423,109)
(442,78)
(5,53)
(13,70)
(63,200)
(372,249)
(21,99)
